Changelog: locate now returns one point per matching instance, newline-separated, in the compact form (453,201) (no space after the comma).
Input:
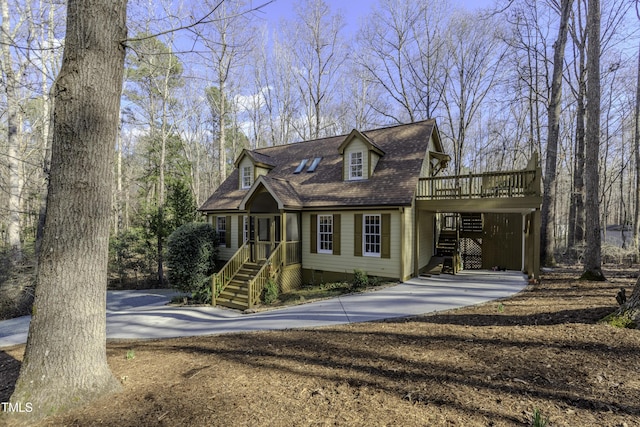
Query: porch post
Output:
(416,242)
(523,267)
(536,222)
(283,232)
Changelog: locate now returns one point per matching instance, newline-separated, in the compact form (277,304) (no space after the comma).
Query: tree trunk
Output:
(547,235)
(12,111)
(592,253)
(631,308)
(576,218)
(636,144)
(222,143)
(65,362)
(47,118)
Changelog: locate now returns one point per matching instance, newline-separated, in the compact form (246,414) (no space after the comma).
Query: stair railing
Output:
(269,270)
(222,278)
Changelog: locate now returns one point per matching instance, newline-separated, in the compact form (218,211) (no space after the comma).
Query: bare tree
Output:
(65,361)
(592,254)
(401,47)
(547,238)
(227,37)
(576,209)
(636,145)
(474,66)
(318,52)
(11,82)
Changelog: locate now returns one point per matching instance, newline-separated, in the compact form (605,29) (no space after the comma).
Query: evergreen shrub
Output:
(192,257)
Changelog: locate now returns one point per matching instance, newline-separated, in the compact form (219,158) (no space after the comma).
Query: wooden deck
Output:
(511,191)
(524,183)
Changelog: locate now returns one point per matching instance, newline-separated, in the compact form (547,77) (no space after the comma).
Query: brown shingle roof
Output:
(393,182)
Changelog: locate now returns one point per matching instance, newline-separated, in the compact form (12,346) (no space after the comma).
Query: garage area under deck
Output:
(481,221)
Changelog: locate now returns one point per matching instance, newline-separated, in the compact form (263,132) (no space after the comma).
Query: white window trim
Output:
(320,233)
(352,165)
(221,242)
(364,236)
(245,175)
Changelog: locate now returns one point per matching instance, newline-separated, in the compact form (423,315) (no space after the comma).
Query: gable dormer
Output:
(251,165)
(360,156)
(436,159)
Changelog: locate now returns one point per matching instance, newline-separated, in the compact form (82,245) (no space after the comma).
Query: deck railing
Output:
(221,279)
(490,184)
(294,253)
(269,270)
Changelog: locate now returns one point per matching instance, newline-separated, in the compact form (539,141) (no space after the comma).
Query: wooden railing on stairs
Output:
(269,270)
(221,279)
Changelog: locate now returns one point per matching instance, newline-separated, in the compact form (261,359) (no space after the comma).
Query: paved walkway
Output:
(143,314)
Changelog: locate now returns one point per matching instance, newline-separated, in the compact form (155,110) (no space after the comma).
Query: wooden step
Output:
(231,303)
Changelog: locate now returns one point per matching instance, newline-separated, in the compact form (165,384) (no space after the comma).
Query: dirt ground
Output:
(488,365)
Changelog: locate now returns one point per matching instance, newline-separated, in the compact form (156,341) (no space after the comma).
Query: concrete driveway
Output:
(144,314)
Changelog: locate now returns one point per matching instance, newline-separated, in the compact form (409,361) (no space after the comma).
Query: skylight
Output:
(314,165)
(301,166)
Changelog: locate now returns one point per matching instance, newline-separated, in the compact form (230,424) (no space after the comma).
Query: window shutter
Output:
(240,231)
(313,238)
(357,235)
(336,234)
(385,250)
(227,233)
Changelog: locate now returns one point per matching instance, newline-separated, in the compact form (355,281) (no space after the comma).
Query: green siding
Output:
(347,261)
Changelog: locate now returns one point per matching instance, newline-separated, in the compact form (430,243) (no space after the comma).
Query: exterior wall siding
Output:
(425,238)
(426,167)
(374,161)
(260,171)
(347,262)
(224,253)
(407,242)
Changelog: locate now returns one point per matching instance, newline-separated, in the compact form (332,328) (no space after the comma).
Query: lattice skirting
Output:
(291,278)
(471,252)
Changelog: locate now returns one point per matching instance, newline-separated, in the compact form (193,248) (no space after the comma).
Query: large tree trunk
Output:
(592,253)
(65,362)
(548,198)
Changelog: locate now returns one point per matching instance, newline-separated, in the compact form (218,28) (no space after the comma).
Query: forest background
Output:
(196,95)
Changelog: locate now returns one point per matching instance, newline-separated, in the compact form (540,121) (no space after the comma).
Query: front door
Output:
(267,234)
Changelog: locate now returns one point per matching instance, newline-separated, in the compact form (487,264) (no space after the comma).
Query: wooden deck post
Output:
(214,280)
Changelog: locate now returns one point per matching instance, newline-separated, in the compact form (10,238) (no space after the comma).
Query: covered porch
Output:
(270,251)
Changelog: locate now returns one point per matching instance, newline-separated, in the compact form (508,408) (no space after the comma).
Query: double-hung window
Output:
(247,178)
(356,165)
(325,234)
(221,228)
(371,235)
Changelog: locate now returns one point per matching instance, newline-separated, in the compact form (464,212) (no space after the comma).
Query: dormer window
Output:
(247,176)
(356,165)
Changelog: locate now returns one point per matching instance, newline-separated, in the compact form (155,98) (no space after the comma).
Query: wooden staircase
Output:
(471,223)
(447,248)
(236,294)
